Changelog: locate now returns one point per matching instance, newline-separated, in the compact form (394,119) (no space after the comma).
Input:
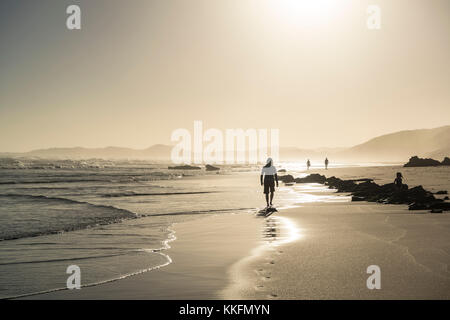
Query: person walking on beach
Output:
(268,179)
(308,164)
(326,163)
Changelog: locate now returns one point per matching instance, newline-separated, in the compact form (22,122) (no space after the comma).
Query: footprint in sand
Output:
(270,260)
(259,271)
(263,274)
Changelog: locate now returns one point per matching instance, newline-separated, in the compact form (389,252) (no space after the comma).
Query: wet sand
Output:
(201,255)
(337,242)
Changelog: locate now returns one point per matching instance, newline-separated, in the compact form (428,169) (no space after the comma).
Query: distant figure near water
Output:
(326,163)
(399,180)
(268,178)
(308,164)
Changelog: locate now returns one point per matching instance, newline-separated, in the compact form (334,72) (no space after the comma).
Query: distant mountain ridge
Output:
(400,146)
(393,147)
(156,152)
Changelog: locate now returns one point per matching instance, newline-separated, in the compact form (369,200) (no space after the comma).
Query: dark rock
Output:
(440,205)
(436,211)
(211,168)
(442,192)
(185,167)
(286,178)
(362,180)
(419,194)
(446,161)
(417,206)
(341,185)
(282,170)
(446,198)
(312,178)
(355,198)
(419,162)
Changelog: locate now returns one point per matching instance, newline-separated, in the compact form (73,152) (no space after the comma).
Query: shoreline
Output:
(315,251)
(201,256)
(319,249)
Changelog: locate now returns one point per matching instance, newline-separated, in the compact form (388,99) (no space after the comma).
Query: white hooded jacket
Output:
(269,171)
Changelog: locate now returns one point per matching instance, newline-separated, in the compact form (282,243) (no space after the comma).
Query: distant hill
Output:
(394,147)
(400,146)
(439,154)
(156,152)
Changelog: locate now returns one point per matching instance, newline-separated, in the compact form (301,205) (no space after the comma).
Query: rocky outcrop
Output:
(446,161)
(286,178)
(209,167)
(185,167)
(318,178)
(420,162)
(312,178)
(366,190)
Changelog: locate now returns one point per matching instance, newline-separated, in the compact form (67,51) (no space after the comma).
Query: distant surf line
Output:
(126,215)
(133,194)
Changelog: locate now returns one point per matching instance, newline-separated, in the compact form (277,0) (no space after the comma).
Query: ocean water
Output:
(113,219)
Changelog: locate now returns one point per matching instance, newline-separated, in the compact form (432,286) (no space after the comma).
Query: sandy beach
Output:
(336,245)
(317,250)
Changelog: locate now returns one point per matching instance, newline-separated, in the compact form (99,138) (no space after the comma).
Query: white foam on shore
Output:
(165,245)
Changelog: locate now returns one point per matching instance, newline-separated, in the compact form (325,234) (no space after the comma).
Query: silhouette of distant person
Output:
(399,180)
(326,163)
(308,164)
(268,179)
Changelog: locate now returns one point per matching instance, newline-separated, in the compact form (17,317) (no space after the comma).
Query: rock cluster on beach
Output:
(366,190)
(420,162)
(209,167)
(185,167)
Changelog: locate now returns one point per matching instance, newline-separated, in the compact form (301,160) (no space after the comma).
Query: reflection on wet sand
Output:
(280,230)
(276,231)
(313,192)
(270,230)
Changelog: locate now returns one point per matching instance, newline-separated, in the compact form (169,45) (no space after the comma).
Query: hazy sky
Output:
(137,70)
